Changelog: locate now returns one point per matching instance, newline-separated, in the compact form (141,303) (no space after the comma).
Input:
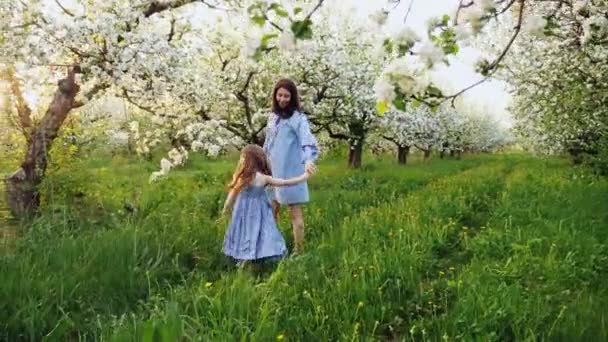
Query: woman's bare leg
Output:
(276,208)
(297,221)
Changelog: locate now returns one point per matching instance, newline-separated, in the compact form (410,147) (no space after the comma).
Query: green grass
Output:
(498,247)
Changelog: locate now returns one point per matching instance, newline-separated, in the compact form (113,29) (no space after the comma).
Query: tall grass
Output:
(469,249)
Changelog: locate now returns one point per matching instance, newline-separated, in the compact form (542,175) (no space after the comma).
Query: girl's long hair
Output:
(253,159)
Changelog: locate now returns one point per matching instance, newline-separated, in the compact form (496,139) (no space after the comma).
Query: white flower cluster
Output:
(146,141)
(177,157)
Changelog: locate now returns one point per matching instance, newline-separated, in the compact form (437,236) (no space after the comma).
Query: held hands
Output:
(310,169)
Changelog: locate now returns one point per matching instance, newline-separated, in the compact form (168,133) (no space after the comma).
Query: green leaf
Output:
(433,91)
(302,29)
(279,10)
(399,103)
(381,107)
(297,10)
(451,48)
(388,45)
(416,103)
(445,19)
(404,49)
(258,20)
(267,37)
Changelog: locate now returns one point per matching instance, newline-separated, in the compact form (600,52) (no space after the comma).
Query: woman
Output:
(291,150)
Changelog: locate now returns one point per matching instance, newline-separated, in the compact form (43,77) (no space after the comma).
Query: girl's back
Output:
(253,232)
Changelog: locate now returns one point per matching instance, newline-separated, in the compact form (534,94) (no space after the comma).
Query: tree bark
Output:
(22,185)
(402,152)
(355,154)
(427,153)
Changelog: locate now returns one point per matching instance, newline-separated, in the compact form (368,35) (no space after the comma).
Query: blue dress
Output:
(253,232)
(289,145)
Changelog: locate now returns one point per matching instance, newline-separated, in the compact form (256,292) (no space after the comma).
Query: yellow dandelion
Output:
(280,337)
(360,305)
(208,284)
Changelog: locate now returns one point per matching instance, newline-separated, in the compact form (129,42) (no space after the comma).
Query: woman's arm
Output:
(266,135)
(307,140)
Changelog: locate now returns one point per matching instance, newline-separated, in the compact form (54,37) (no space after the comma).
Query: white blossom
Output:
(430,53)
(384,90)
(535,25)
(287,41)
(406,36)
(379,17)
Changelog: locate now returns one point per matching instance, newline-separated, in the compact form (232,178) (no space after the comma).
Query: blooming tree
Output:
(131,48)
(336,73)
(560,85)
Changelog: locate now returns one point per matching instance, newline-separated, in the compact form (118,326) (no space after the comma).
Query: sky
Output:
(491,95)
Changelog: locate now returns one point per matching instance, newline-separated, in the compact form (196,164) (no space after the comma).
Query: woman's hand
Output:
(310,168)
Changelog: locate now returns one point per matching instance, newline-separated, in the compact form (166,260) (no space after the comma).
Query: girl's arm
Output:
(229,202)
(285,182)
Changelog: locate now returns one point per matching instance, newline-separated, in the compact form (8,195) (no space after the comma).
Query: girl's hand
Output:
(221,219)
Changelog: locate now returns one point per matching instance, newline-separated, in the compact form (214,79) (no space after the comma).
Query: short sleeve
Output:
(267,138)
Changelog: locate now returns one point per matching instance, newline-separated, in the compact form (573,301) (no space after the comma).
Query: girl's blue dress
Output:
(253,232)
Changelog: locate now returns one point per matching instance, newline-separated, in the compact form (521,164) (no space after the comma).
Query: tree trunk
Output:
(427,153)
(444,147)
(355,154)
(402,152)
(22,185)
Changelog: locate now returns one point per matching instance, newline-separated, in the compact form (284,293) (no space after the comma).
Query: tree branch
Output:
(65,10)
(172,30)
(90,95)
(272,23)
(240,95)
(314,9)
(125,93)
(494,65)
(409,9)
(161,6)
(23,110)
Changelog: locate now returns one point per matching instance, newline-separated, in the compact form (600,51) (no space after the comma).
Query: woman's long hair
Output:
(294,103)
(253,159)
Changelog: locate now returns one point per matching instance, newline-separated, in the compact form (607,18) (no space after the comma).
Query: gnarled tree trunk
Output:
(355,154)
(402,152)
(22,185)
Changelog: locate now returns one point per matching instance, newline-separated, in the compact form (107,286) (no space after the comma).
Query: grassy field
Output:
(488,248)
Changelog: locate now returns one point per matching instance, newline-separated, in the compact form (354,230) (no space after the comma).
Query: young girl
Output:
(253,232)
